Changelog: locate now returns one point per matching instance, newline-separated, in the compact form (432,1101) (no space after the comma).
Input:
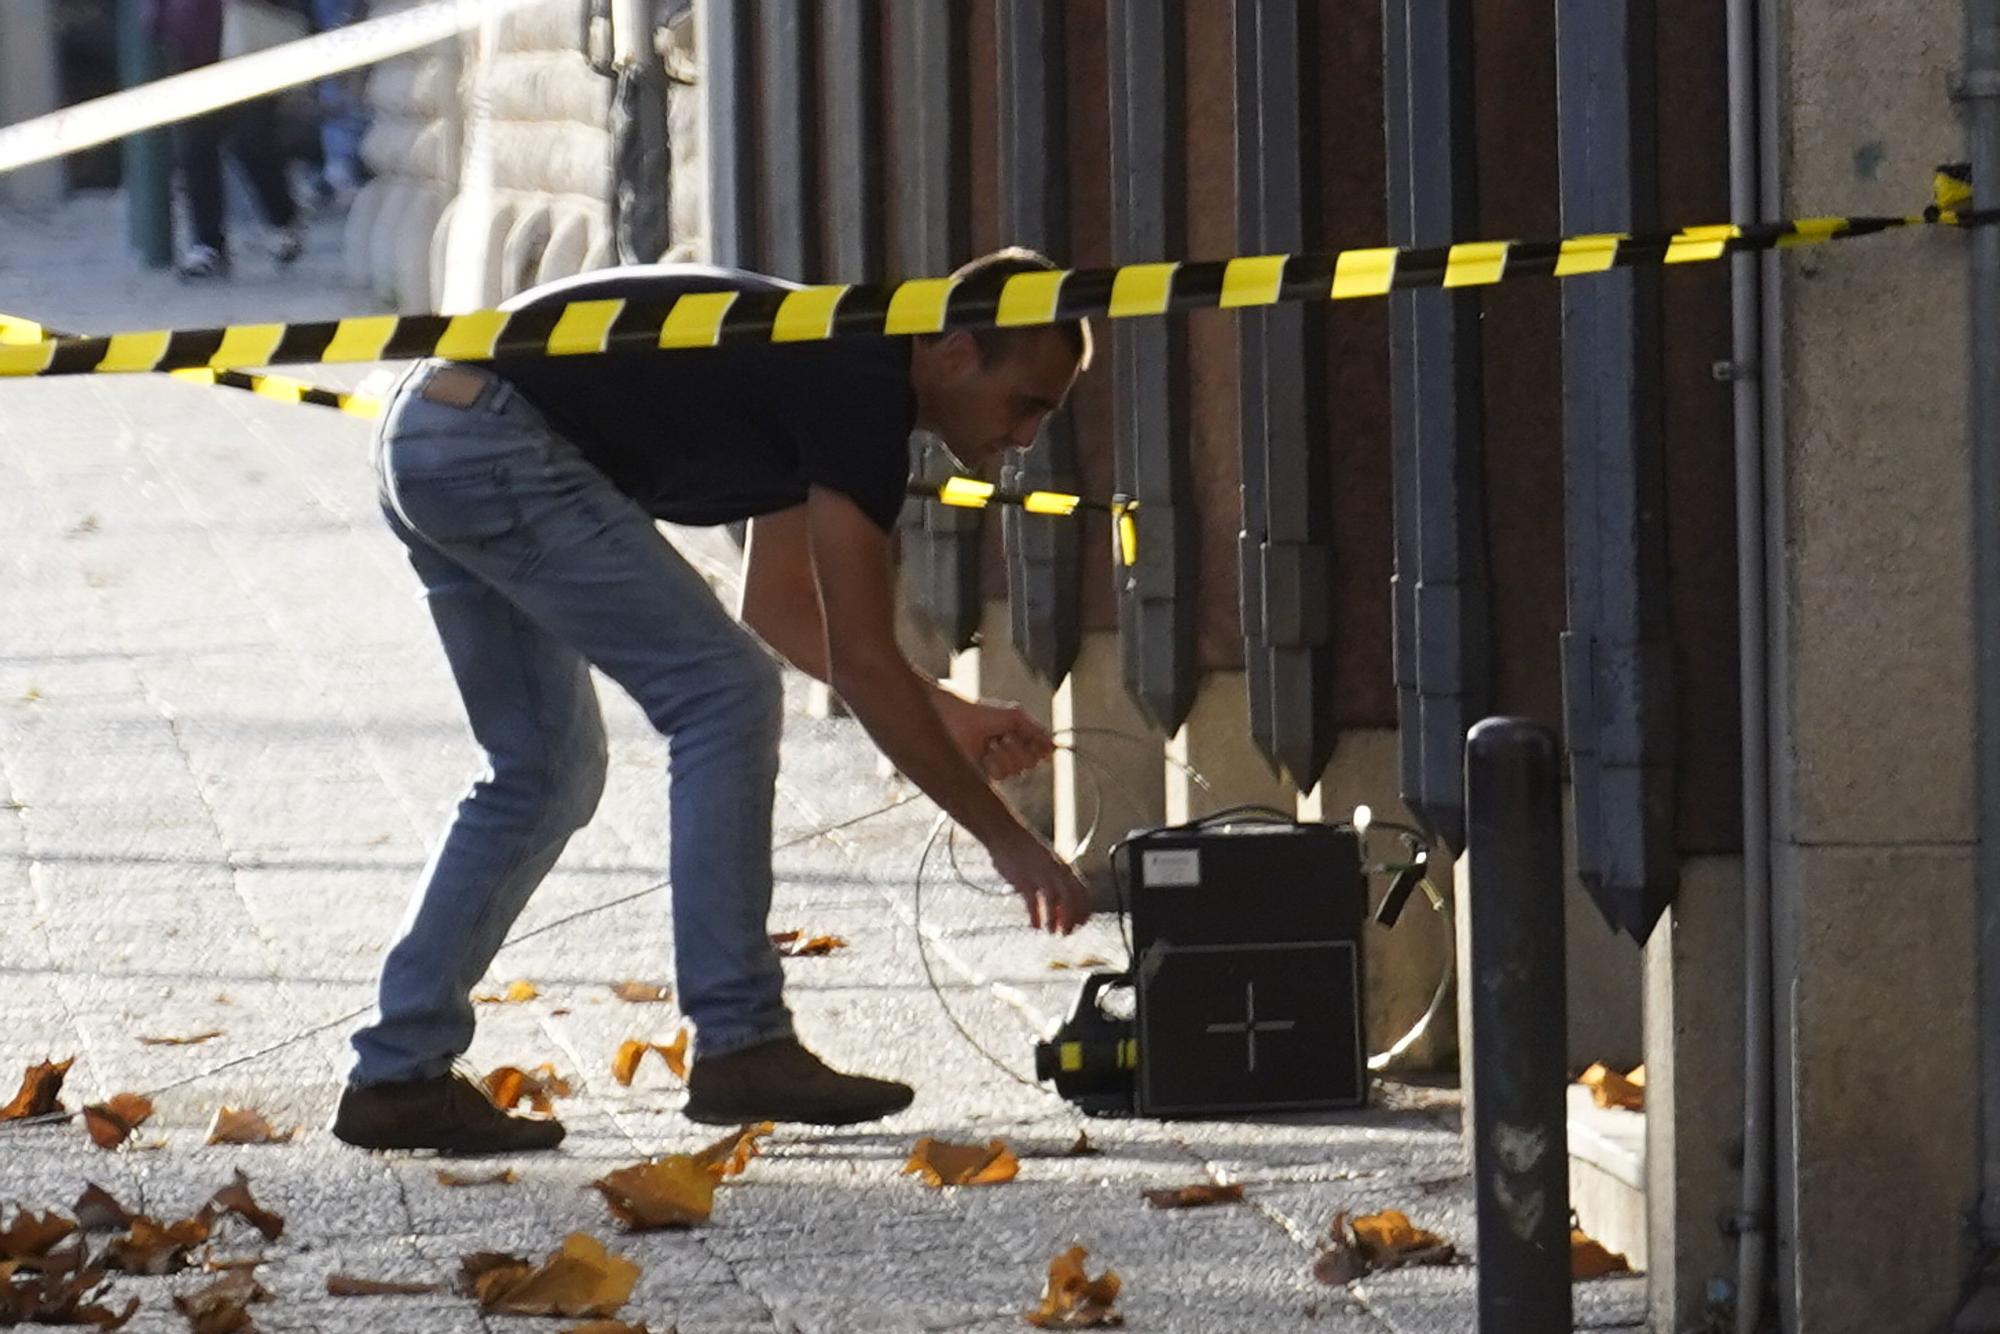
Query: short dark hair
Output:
(992,272)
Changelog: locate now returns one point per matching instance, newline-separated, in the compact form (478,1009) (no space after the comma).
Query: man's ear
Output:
(959,351)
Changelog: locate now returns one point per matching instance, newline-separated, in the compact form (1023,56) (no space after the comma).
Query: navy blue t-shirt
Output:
(716,435)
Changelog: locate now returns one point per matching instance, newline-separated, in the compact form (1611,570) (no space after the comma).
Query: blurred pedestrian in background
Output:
(194,33)
(343,115)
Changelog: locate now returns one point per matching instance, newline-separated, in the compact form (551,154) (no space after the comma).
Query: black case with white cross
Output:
(1248,944)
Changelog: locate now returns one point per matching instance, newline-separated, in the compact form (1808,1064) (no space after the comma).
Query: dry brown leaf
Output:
(943,1164)
(49,1297)
(188,1041)
(96,1210)
(111,1122)
(579,1279)
(1071,1299)
(1608,1088)
(1389,1240)
(641,993)
(1193,1197)
(1083,1148)
(607,1327)
(625,1065)
(349,1285)
(40,1085)
(506,1176)
(798,945)
(515,993)
(509,1084)
(1340,1263)
(728,1156)
(153,1248)
(224,1264)
(31,1236)
(235,1198)
(221,1307)
(675,1191)
(241,1125)
(1590,1259)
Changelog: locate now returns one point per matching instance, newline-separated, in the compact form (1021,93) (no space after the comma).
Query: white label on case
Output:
(1174,866)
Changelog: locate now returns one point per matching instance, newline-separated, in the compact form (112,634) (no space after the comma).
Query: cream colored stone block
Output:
(1114,785)
(1877,1028)
(1215,743)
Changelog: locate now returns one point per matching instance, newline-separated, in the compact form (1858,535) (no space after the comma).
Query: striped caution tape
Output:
(17,332)
(928,305)
(962,492)
(972,493)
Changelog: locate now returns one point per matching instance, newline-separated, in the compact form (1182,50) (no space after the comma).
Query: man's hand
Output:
(1057,901)
(1000,738)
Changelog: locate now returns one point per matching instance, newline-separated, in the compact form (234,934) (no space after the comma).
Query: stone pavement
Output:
(226,738)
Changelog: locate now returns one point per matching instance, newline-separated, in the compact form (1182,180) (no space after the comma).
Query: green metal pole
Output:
(147,158)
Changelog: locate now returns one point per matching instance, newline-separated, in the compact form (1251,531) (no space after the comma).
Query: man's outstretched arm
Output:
(781,602)
(850,573)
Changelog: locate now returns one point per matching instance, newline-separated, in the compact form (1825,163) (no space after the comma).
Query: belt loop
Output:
(503,393)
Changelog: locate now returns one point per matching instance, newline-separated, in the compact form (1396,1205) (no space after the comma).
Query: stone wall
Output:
(493,160)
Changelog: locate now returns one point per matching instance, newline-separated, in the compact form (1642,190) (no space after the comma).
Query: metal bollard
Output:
(1520,1153)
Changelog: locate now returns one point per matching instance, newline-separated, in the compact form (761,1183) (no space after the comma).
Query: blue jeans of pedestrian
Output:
(535,569)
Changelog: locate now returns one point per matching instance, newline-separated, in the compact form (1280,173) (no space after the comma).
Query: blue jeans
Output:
(535,569)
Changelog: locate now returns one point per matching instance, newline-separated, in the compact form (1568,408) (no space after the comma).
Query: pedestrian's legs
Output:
(534,715)
(198,148)
(253,134)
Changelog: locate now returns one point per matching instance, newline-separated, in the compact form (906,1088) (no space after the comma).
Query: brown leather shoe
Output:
(782,1081)
(450,1113)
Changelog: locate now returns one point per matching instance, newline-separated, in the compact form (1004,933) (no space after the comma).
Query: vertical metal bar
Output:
(722,33)
(147,160)
(1403,411)
(1150,405)
(1451,642)
(1287,583)
(1520,1145)
(1043,558)
(1617,657)
(850,79)
(927,87)
(788,187)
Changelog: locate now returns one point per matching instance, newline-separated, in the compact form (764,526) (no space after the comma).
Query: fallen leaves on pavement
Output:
(111,1122)
(221,1307)
(625,1065)
(31,1236)
(31,1297)
(675,1191)
(641,993)
(188,1041)
(242,1125)
(1375,1242)
(580,1278)
(1592,1259)
(235,1199)
(728,1156)
(516,992)
(509,1084)
(1194,1197)
(350,1285)
(506,1176)
(1608,1088)
(40,1084)
(154,1248)
(943,1164)
(96,1210)
(1083,1148)
(1087,961)
(798,945)
(1389,1240)
(1071,1299)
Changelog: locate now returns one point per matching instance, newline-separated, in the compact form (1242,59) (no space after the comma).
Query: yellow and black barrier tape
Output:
(16,331)
(972,493)
(929,305)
